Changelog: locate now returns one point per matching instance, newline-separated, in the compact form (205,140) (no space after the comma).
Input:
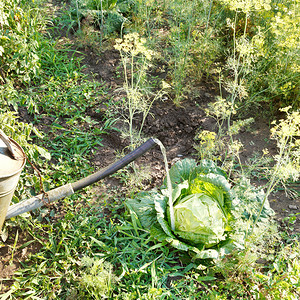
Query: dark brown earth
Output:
(176,127)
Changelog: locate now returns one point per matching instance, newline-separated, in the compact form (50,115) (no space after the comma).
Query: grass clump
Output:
(97,278)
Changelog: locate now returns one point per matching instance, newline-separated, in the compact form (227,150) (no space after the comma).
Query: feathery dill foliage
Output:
(286,132)
(136,61)
(248,5)
(264,53)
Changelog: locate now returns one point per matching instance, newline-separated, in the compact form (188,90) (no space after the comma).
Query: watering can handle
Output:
(8,144)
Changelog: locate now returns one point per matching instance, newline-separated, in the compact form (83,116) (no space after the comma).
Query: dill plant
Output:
(222,146)
(142,12)
(285,132)
(181,39)
(279,277)
(264,55)
(250,47)
(278,64)
(136,61)
(287,161)
(97,277)
(207,144)
(194,45)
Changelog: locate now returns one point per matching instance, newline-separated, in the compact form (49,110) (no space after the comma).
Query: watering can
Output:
(12,161)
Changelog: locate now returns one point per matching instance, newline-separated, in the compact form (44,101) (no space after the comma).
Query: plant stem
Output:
(77,14)
(102,22)
(272,183)
(209,12)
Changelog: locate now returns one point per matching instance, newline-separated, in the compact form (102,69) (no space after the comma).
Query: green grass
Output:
(85,243)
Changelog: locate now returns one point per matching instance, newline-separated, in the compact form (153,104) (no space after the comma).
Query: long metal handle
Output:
(70,188)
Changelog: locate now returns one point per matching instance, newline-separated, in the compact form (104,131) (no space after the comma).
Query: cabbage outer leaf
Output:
(185,169)
(143,207)
(161,236)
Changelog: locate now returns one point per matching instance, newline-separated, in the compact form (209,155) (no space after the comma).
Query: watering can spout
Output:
(70,188)
(115,166)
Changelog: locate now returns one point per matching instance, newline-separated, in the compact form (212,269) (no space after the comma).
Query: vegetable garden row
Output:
(84,82)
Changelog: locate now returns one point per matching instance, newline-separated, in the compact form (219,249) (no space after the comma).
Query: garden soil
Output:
(175,126)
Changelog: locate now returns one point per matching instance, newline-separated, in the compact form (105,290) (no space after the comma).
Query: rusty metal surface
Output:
(36,201)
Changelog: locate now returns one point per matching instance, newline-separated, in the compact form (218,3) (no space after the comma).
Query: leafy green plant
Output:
(203,211)
(9,96)
(282,280)
(103,15)
(22,134)
(73,141)
(20,38)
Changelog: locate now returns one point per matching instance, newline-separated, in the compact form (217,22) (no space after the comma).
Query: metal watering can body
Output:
(12,161)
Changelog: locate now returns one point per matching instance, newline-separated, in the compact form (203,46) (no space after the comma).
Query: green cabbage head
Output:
(201,203)
(199,219)
(205,210)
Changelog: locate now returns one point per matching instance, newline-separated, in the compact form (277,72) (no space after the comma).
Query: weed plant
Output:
(20,36)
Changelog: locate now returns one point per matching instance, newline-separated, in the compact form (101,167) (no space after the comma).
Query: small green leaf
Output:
(206,278)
